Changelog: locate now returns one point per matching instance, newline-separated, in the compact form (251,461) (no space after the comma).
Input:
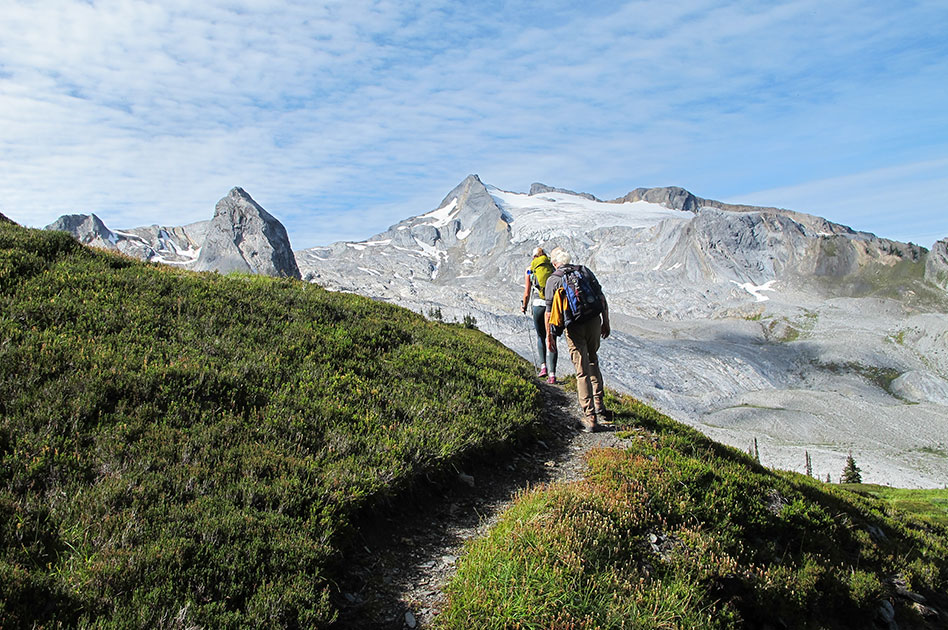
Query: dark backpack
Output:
(583,293)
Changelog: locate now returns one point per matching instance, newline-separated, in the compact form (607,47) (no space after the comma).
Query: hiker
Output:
(536,277)
(575,303)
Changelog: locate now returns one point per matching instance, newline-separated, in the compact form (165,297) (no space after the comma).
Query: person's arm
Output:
(550,339)
(526,293)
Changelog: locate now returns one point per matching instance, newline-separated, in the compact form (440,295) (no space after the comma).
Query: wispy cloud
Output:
(342,117)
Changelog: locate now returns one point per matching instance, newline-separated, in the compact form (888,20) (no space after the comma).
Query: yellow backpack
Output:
(558,312)
(540,269)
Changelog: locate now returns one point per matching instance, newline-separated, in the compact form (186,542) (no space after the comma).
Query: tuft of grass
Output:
(677,531)
(931,504)
(881,377)
(183,449)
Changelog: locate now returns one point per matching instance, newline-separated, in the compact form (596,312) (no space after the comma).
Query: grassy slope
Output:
(192,449)
(184,448)
(681,532)
(931,504)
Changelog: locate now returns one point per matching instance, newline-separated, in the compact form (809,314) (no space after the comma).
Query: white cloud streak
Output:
(341,117)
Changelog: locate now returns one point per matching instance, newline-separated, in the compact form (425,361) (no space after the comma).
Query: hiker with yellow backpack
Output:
(576,305)
(535,282)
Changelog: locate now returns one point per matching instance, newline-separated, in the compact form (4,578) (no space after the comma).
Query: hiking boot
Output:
(552,379)
(589,424)
(604,415)
(542,372)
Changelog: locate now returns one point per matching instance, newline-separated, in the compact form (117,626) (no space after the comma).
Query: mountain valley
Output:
(756,325)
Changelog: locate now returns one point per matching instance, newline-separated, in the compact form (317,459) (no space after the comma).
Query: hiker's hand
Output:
(551,343)
(605,329)
(523,308)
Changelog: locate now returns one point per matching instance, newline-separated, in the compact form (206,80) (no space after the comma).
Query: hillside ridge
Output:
(208,448)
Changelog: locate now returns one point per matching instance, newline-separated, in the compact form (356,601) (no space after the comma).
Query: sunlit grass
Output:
(678,531)
(195,447)
(931,504)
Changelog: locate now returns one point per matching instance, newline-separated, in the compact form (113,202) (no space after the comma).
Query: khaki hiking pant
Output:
(583,339)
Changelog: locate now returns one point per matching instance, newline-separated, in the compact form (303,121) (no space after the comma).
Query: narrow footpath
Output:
(396,577)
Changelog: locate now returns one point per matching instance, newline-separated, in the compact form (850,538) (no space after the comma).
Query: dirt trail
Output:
(396,578)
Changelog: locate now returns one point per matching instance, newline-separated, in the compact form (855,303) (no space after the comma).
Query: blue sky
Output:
(342,118)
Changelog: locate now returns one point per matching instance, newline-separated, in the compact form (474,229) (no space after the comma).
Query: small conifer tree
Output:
(850,472)
(809,464)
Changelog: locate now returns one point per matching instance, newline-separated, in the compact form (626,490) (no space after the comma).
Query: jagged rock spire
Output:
(243,236)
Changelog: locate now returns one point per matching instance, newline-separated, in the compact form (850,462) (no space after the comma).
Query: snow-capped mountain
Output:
(748,322)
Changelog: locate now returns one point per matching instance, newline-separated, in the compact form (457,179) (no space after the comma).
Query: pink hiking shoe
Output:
(542,373)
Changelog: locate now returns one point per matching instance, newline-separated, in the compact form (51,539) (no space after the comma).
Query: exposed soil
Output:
(396,575)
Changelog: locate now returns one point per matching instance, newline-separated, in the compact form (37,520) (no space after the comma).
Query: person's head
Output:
(538,252)
(559,257)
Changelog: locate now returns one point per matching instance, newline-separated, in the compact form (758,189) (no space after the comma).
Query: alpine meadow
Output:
(186,449)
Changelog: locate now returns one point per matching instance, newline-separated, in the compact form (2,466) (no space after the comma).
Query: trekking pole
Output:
(533,343)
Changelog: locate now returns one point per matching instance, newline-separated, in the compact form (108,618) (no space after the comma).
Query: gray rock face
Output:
(479,218)
(88,229)
(171,245)
(920,387)
(244,237)
(538,189)
(241,237)
(669,196)
(936,264)
(747,323)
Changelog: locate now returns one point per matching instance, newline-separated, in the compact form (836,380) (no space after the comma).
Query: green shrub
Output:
(677,531)
(194,449)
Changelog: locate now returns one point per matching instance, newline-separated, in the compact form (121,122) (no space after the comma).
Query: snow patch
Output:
(429,250)
(755,290)
(364,244)
(442,216)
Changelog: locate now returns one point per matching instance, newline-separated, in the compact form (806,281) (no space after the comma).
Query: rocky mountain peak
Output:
(86,228)
(671,197)
(244,237)
(537,188)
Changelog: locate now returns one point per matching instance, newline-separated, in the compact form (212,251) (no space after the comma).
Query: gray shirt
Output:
(555,281)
